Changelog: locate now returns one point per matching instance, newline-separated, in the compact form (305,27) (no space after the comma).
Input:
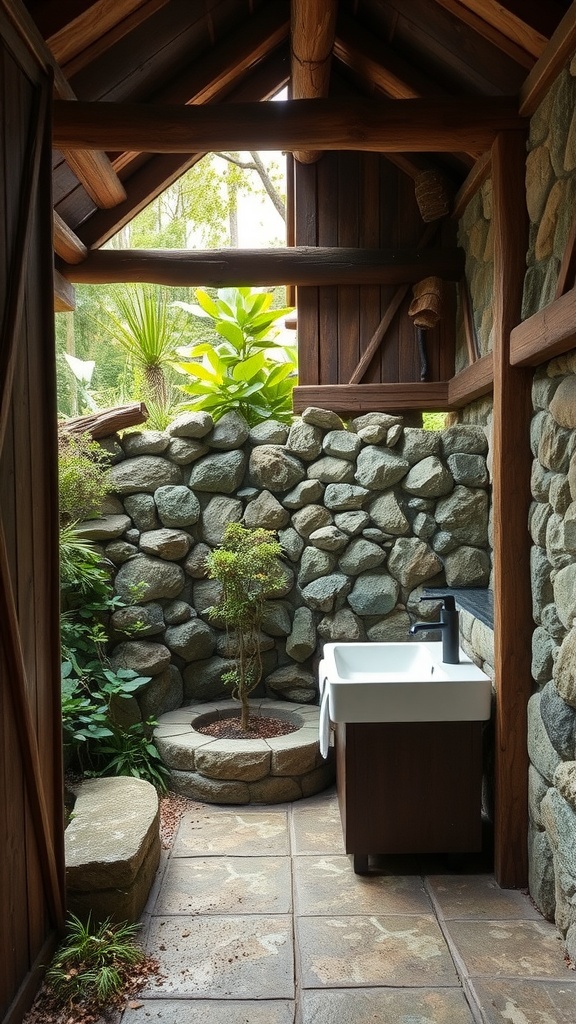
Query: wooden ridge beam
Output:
(471,383)
(546,334)
(312,28)
(438,125)
(428,396)
(66,242)
(547,68)
(299,265)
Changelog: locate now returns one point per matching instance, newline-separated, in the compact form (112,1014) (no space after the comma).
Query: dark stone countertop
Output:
(479,601)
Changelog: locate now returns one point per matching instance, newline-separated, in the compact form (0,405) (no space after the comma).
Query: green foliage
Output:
(90,686)
(131,752)
(82,477)
(94,963)
(244,370)
(248,568)
(434,420)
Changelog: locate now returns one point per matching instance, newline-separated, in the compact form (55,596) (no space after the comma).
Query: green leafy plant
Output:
(246,370)
(131,752)
(82,477)
(143,321)
(94,963)
(248,567)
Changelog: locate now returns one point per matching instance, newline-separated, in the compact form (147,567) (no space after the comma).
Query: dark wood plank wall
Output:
(28,511)
(361,199)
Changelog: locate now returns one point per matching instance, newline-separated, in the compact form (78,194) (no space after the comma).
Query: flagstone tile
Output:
(328,885)
(317,828)
(338,952)
(226,885)
(210,1011)
(508,1001)
(238,957)
(480,897)
(515,949)
(385,1006)
(242,833)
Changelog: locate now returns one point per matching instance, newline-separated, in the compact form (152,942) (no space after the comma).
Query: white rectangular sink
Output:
(402,682)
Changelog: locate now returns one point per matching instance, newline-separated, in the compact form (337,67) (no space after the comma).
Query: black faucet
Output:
(449,626)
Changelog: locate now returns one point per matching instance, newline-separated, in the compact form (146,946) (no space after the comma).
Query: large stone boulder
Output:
(144,473)
(145,578)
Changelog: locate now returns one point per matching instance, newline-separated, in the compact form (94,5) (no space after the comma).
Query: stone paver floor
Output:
(257,917)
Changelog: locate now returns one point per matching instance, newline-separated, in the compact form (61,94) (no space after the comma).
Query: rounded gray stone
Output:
(466,507)
(564,672)
(276,619)
(220,472)
(310,518)
(555,447)
(292,543)
(177,506)
(361,555)
(331,471)
(103,528)
(342,444)
(144,473)
(268,432)
(195,564)
(540,750)
(466,438)
(379,468)
(305,493)
(145,442)
(386,512)
(341,625)
(417,443)
(374,593)
(345,497)
(353,522)
(266,512)
(428,479)
(543,648)
(324,418)
(275,469)
(119,551)
(313,564)
(563,404)
(469,470)
(323,594)
(559,721)
(192,640)
(177,612)
(411,562)
(140,620)
(230,432)
(541,873)
(564,590)
(329,538)
(537,789)
(467,567)
(145,657)
(540,513)
(145,578)
(203,679)
(540,480)
(171,545)
(191,424)
(304,440)
(301,643)
(185,450)
(373,427)
(393,628)
(219,511)
(206,594)
(289,678)
(142,510)
(424,526)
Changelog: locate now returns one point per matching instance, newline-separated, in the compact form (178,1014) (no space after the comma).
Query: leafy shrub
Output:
(93,965)
(246,370)
(248,568)
(82,477)
(131,752)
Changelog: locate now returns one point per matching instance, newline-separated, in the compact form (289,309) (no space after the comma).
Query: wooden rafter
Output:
(356,398)
(66,242)
(96,29)
(555,54)
(313,23)
(548,333)
(501,27)
(478,175)
(471,383)
(300,265)
(439,125)
(93,169)
(64,295)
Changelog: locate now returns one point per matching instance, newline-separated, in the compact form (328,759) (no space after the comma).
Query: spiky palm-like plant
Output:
(145,324)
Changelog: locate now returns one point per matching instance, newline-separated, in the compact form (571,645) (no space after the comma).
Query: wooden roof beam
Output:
(300,265)
(429,396)
(94,30)
(313,24)
(424,125)
(93,169)
(64,294)
(558,50)
(66,242)
(501,27)
(219,71)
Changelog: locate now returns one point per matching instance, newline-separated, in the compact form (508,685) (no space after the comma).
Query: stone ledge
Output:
(275,770)
(112,847)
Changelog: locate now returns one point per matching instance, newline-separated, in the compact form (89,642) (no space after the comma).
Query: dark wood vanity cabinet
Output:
(409,787)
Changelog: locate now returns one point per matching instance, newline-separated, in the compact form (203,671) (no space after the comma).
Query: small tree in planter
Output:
(248,568)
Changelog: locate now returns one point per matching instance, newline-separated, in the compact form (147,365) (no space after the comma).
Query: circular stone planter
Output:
(231,771)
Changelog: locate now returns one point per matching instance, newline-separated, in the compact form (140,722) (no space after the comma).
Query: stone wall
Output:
(551,190)
(367,514)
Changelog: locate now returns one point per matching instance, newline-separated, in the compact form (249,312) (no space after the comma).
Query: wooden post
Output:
(511,489)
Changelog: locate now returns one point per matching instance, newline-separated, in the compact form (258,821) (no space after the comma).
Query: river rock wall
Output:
(368,513)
